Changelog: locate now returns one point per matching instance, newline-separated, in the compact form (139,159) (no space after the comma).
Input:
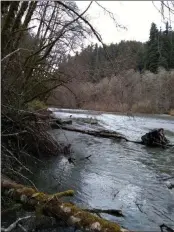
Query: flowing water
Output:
(118,175)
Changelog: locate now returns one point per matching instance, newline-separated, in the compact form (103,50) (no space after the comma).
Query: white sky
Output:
(137,16)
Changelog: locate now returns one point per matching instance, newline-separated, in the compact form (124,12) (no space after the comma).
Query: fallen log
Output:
(105,134)
(51,205)
(101,133)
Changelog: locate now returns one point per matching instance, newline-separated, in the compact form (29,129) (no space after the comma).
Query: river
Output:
(118,175)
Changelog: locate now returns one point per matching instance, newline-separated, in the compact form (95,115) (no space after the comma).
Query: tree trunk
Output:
(7,25)
(27,19)
(19,16)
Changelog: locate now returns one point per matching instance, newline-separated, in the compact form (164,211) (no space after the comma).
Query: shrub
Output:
(143,107)
(171,112)
(36,105)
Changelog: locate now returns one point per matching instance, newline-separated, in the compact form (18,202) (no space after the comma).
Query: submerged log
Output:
(51,205)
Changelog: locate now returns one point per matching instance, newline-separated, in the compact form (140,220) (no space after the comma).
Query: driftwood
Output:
(51,205)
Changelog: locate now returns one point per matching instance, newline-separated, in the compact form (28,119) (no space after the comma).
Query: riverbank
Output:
(117,174)
(94,112)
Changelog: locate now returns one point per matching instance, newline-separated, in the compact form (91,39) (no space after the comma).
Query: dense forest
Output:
(139,67)
(157,52)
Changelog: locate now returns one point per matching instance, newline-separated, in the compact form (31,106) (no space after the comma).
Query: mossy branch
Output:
(52,206)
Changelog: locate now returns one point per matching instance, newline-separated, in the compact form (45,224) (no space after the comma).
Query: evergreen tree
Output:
(152,56)
(163,50)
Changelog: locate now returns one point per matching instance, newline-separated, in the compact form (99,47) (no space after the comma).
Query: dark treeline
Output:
(106,61)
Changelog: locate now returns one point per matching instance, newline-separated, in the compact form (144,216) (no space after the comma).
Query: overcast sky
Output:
(137,16)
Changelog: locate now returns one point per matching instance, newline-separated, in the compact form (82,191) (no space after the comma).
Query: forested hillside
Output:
(124,76)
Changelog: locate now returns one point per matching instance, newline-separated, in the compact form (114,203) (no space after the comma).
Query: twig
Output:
(87,157)
(138,205)
(169,8)
(168,178)
(22,227)
(14,157)
(167,227)
(15,224)
(115,194)
(114,212)
(25,29)
(111,15)
(42,93)
(18,173)
(161,213)
(14,134)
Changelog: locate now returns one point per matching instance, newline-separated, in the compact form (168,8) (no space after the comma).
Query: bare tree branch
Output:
(12,53)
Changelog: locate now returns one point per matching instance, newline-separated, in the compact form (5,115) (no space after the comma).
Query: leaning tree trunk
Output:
(19,16)
(7,24)
(31,9)
(51,205)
